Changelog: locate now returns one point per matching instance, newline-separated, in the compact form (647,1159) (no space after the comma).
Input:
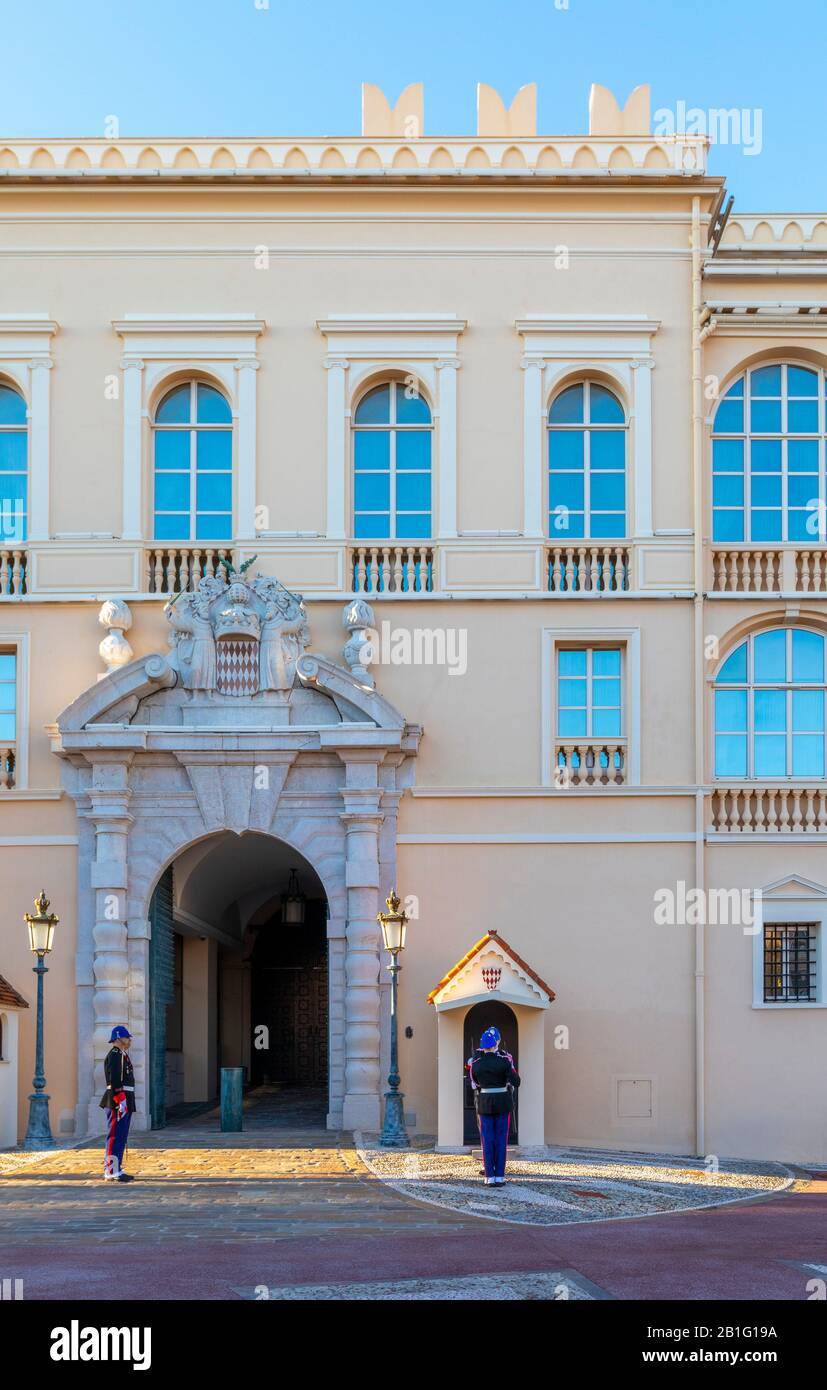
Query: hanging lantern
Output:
(293,902)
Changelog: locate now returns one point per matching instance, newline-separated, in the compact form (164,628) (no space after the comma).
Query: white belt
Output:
(132,1088)
(492,1090)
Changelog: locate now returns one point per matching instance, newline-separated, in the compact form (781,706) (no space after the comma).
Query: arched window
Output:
(768,457)
(392,432)
(193,451)
(14,466)
(587,463)
(769,706)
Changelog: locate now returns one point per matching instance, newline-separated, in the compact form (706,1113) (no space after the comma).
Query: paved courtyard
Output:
(287,1209)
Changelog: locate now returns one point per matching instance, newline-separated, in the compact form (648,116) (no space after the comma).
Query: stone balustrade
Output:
(392,568)
(175,568)
(592,762)
(811,571)
(8,763)
(759,809)
(12,572)
(746,569)
(591,567)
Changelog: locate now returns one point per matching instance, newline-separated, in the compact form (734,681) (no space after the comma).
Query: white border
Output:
(628,636)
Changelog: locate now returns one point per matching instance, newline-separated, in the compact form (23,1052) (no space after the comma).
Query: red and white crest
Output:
(491,976)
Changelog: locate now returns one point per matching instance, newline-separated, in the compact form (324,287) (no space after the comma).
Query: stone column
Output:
(39,449)
(533,440)
(132,524)
(109,796)
(337,424)
(362,819)
(245,528)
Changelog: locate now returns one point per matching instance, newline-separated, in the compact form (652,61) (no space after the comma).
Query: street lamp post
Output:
(41,927)
(393,924)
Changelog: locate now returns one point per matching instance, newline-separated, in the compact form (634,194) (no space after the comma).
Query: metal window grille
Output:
(790,963)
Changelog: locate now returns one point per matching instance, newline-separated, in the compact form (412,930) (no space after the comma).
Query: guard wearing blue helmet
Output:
(119,1101)
(495,1079)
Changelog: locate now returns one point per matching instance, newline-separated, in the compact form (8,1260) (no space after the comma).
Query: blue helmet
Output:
(119,1032)
(490,1037)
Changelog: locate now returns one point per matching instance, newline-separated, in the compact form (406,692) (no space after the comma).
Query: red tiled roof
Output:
(475,950)
(9,995)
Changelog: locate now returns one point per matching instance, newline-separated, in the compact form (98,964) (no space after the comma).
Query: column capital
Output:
(527,361)
(46,363)
(250,364)
(136,363)
(452,362)
(330,362)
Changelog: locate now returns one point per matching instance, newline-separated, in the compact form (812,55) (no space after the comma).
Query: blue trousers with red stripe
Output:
(494,1134)
(116,1142)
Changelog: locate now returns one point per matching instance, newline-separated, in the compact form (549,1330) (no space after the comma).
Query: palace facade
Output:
(454,511)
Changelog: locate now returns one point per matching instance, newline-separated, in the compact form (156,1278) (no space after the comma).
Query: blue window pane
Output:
(802,455)
(802,417)
(605,409)
(172,492)
(567,408)
(608,491)
(372,450)
(606,723)
(212,407)
(770,710)
(608,449)
(808,656)
(566,490)
(731,755)
(8,666)
(214,492)
(765,455)
(372,492)
(12,521)
(214,450)
(607,525)
(770,656)
(566,525)
(7,694)
(606,691)
(766,490)
(808,711)
(730,711)
(802,525)
(414,526)
(735,390)
(571,723)
(413,449)
(172,528)
(572,692)
(375,407)
(729,418)
(735,667)
(606,662)
(765,417)
(175,407)
(13,451)
(808,755)
(7,727)
(765,381)
(12,407)
(374,527)
(172,450)
(411,409)
(728,455)
(801,493)
(13,488)
(765,526)
(728,490)
(770,755)
(802,382)
(413,491)
(571,662)
(214,527)
(728,526)
(565,449)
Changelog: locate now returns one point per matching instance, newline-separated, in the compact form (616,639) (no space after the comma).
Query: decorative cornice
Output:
(606,325)
(138,325)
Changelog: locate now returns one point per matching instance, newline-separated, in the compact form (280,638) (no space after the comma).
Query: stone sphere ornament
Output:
(114,650)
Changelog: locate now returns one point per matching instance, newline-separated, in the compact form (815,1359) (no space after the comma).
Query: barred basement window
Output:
(790,963)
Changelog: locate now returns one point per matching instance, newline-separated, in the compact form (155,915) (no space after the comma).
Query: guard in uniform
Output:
(495,1079)
(119,1101)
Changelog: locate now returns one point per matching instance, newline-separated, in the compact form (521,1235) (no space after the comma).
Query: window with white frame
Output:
(193,465)
(589,701)
(768,456)
(770,707)
(587,463)
(790,960)
(392,436)
(8,717)
(14,466)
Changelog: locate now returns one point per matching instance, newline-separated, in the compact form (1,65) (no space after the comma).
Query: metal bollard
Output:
(231,1098)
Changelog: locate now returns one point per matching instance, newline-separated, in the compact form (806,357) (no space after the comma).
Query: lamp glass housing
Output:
(41,934)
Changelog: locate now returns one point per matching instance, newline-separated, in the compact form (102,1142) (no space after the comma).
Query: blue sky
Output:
(226,67)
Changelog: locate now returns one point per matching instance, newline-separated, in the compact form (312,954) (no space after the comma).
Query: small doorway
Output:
(487,1015)
(289,997)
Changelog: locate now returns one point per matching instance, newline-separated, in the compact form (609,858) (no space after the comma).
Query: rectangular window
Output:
(790,963)
(8,718)
(589,692)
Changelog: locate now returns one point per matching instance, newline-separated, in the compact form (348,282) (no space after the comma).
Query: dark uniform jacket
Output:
(494,1076)
(120,1081)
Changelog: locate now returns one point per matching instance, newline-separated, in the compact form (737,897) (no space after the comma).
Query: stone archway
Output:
(155,764)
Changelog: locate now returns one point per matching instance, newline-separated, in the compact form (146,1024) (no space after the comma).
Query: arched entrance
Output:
(238,977)
(490,1014)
